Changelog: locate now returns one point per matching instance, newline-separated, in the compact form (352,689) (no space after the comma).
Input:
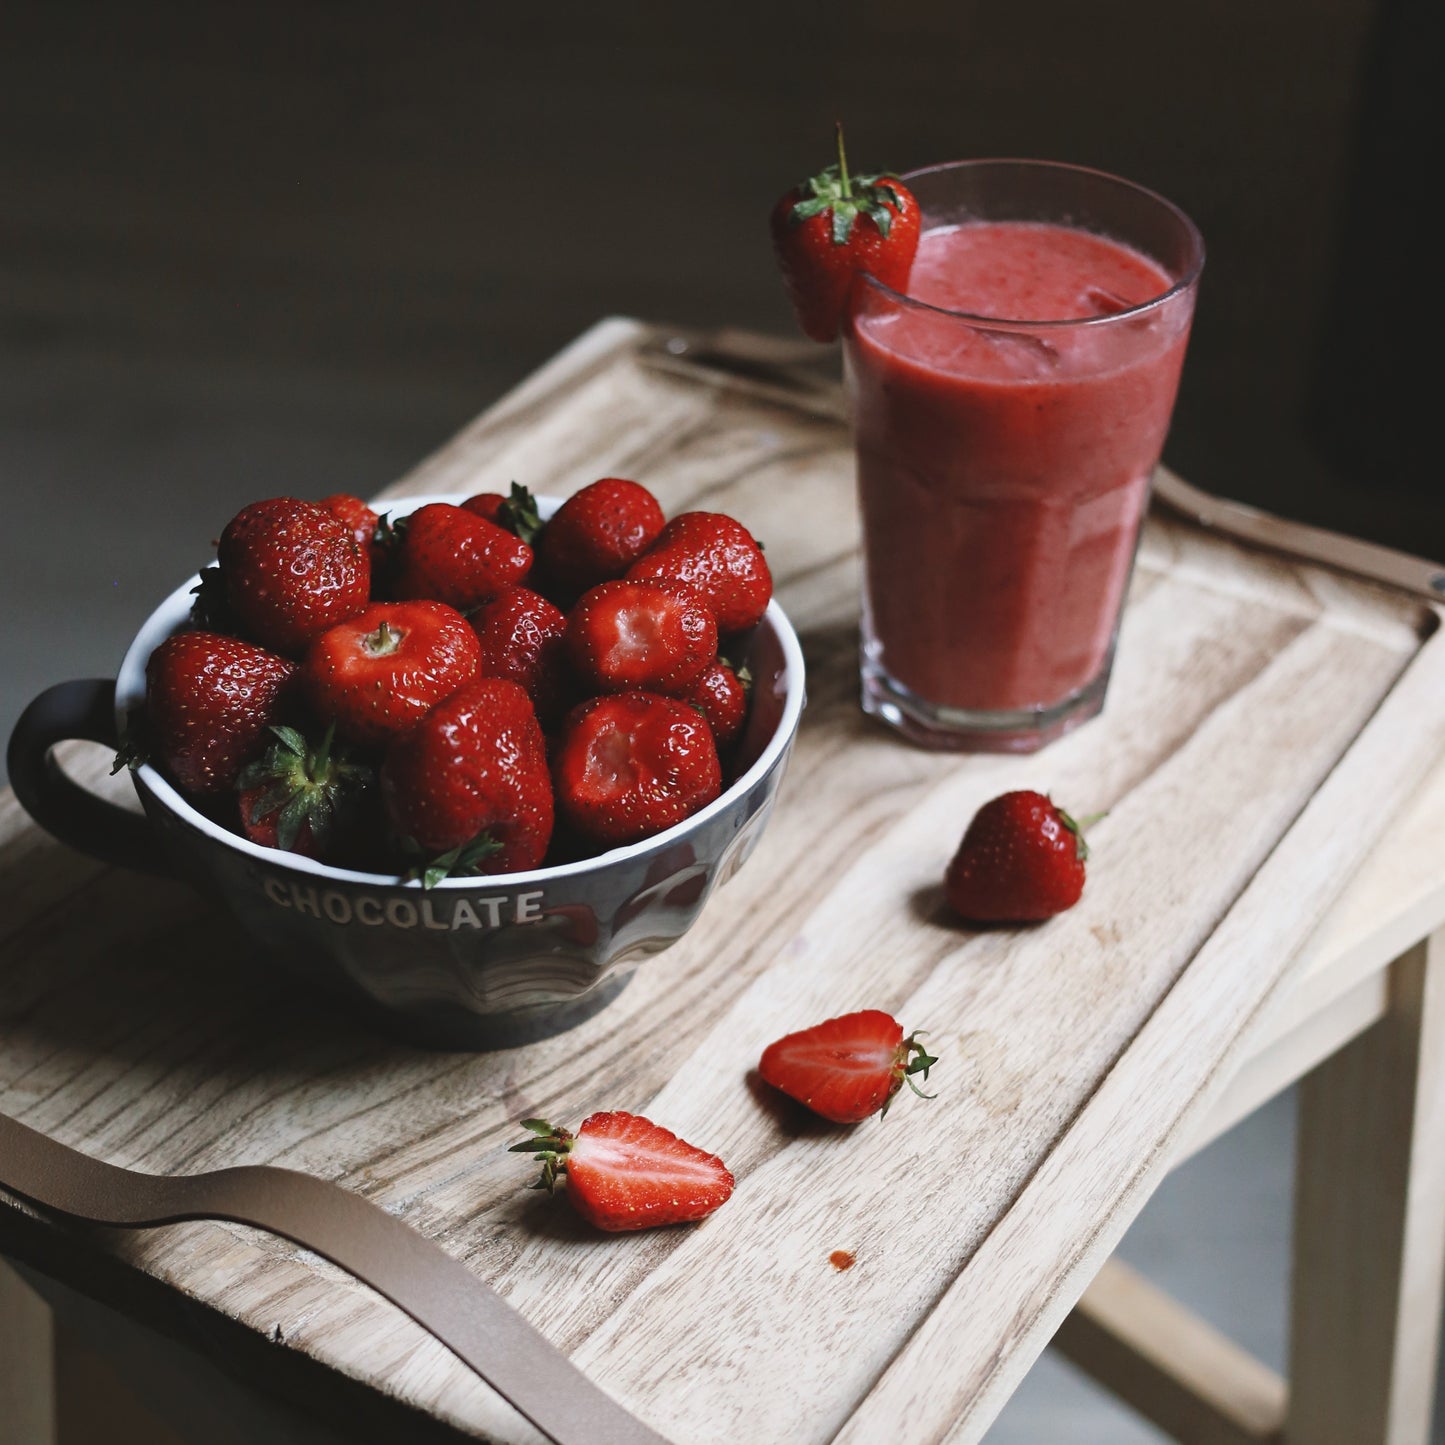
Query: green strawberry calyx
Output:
(519,515)
(549,1145)
(303,786)
(910,1058)
(1077,826)
(848,197)
(454,863)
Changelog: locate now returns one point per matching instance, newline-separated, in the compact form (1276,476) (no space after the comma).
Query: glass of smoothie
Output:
(1008,414)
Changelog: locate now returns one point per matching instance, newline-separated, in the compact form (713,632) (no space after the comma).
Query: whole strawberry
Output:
(454,556)
(835,226)
(516,512)
(379,673)
(468,786)
(596,535)
(520,634)
(717,557)
(847,1068)
(625,1172)
(355,514)
(290,570)
(627,635)
(306,800)
(1020,861)
(210,701)
(628,766)
(722,697)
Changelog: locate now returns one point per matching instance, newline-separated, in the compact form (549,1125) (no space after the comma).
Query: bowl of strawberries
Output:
(468,761)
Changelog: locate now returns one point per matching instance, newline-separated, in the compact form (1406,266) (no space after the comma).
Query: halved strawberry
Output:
(306,800)
(625,1172)
(718,558)
(596,534)
(849,1067)
(456,557)
(628,766)
(379,673)
(626,635)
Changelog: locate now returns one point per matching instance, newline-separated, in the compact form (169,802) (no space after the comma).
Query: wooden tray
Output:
(1265,722)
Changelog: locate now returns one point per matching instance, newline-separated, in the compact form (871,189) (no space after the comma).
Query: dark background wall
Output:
(289,247)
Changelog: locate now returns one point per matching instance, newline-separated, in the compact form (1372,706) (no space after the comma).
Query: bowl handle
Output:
(87,823)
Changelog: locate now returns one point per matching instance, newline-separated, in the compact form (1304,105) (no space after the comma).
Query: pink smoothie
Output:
(1003,473)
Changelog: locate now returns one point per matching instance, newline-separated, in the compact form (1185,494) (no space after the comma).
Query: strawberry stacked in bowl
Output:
(464,689)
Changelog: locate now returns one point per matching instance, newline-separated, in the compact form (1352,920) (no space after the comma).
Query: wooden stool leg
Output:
(1369,1253)
(27,1363)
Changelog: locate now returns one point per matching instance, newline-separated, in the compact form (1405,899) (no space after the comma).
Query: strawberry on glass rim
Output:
(835,226)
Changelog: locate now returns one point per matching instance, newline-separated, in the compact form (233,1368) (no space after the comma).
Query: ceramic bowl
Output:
(472,962)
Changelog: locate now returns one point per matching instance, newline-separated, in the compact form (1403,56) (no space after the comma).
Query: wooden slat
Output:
(1240,684)
(1370,1224)
(1196,1384)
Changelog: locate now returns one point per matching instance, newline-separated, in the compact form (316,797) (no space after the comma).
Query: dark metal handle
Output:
(87,823)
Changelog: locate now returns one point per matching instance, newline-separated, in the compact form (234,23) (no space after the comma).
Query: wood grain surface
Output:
(1265,724)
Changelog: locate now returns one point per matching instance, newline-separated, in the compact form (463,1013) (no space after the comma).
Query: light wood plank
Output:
(1196,1384)
(1370,1224)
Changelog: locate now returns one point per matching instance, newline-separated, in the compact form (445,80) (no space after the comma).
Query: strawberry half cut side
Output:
(849,1067)
(624,1172)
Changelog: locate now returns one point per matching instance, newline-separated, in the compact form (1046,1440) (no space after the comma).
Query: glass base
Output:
(968,730)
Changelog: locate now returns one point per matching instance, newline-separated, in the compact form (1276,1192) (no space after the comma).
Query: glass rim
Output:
(1184,283)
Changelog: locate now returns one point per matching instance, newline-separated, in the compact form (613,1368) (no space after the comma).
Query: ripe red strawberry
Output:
(1021,860)
(722,695)
(379,673)
(628,766)
(625,1172)
(517,512)
(717,558)
(468,786)
(834,226)
(596,535)
(209,702)
(520,634)
(847,1068)
(456,557)
(305,800)
(355,514)
(291,570)
(627,635)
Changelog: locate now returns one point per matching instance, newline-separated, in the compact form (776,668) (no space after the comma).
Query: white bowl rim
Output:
(130,693)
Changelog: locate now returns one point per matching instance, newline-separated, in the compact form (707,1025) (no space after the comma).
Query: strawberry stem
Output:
(843,181)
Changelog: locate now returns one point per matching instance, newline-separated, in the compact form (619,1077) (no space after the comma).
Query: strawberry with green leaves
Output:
(624,1172)
(1021,861)
(516,512)
(847,1068)
(721,695)
(835,226)
(311,801)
